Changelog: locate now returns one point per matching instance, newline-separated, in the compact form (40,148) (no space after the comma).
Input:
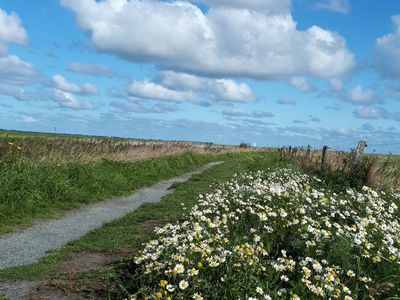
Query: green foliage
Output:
(129,232)
(275,235)
(29,191)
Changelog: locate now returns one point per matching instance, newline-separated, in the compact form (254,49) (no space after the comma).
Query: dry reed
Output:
(42,150)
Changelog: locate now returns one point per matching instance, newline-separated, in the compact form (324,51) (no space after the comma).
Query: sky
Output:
(264,72)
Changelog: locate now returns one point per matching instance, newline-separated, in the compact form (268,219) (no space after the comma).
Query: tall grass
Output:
(341,168)
(59,150)
(29,191)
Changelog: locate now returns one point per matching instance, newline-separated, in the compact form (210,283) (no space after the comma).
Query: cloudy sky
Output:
(266,72)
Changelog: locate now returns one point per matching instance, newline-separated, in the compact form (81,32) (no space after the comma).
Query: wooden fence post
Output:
(359,152)
(324,157)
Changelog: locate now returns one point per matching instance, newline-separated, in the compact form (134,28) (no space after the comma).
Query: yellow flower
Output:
(163,283)
(199,265)
(158,295)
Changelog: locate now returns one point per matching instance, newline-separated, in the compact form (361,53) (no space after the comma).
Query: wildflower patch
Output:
(276,235)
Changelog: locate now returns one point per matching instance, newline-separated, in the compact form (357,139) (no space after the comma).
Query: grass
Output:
(377,170)
(29,191)
(129,232)
(48,149)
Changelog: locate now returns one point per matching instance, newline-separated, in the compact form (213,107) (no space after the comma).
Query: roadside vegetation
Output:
(124,237)
(275,235)
(29,191)
(260,226)
(43,174)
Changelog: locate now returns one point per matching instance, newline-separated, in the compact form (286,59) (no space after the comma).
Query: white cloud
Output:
(370,112)
(229,90)
(336,84)
(91,69)
(300,83)
(387,52)
(270,6)
(153,91)
(340,6)
(13,70)
(17,92)
(222,42)
(62,84)
(358,95)
(286,101)
(222,90)
(11,30)
(68,100)
(29,119)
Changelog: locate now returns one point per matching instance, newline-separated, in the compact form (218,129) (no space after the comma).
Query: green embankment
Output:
(29,191)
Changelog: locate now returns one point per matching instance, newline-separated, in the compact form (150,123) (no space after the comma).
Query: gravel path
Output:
(28,246)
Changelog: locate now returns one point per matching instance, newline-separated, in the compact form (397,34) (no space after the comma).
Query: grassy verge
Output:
(29,192)
(131,231)
(275,235)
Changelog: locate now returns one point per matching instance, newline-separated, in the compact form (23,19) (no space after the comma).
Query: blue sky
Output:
(267,72)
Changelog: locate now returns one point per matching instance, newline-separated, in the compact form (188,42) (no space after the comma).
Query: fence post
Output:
(324,157)
(359,151)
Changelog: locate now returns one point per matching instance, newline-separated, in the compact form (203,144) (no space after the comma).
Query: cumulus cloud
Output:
(62,84)
(17,92)
(13,70)
(300,83)
(68,100)
(270,6)
(286,101)
(364,112)
(11,30)
(360,95)
(340,6)
(181,87)
(223,42)
(153,91)
(224,90)
(91,69)
(387,52)
(29,119)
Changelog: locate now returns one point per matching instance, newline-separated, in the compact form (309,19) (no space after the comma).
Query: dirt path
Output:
(28,246)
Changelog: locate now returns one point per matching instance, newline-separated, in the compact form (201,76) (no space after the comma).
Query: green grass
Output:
(29,191)
(128,232)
